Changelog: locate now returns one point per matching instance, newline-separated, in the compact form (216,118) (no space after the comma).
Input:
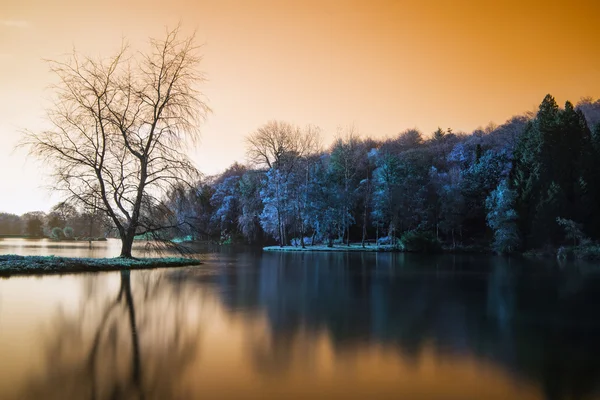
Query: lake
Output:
(255,325)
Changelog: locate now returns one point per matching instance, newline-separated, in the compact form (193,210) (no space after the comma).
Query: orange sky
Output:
(381,65)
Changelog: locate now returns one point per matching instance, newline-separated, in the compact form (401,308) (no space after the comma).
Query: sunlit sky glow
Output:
(382,66)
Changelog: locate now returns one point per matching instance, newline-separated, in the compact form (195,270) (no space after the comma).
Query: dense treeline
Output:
(529,183)
(64,221)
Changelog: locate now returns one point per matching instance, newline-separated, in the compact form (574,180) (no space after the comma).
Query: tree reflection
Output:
(537,322)
(119,347)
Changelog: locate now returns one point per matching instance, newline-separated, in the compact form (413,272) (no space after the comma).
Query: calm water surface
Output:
(318,325)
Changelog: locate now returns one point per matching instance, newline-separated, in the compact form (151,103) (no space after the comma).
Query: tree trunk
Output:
(281,238)
(364,227)
(127,245)
(348,237)
(135,353)
(302,235)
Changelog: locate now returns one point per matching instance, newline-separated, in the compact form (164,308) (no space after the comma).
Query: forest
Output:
(530,183)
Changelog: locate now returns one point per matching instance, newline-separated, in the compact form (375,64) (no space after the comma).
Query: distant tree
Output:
(502,218)
(448,202)
(365,186)
(35,227)
(277,212)
(57,233)
(438,134)
(120,127)
(596,139)
(590,109)
(553,173)
(68,232)
(477,181)
(325,210)
(478,153)
(410,138)
(387,181)
(277,144)
(343,165)
(226,200)
(573,230)
(251,205)
(192,206)
(10,224)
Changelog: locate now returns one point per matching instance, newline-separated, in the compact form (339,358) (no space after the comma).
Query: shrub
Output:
(68,232)
(590,252)
(296,241)
(57,233)
(421,242)
(573,230)
(387,241)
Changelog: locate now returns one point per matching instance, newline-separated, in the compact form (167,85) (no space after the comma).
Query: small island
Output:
(28,265)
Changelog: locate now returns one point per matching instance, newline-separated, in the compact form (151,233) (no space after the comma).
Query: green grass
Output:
(39,265)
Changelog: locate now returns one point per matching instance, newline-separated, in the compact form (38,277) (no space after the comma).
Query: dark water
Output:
(312,325)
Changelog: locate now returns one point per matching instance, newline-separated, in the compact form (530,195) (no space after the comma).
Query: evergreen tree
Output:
(533,168)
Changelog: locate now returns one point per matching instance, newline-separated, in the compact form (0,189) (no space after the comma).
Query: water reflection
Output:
(70,248)
(537,323)
(117,344)
(251,325)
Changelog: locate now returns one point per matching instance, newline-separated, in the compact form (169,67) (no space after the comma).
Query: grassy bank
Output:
(39,265)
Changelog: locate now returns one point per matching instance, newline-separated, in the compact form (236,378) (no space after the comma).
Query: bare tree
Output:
(277,143)
(120,127)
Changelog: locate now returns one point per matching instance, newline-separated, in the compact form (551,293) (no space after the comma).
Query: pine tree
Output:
(533,168)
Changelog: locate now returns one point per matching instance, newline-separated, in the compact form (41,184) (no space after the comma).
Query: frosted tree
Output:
(325,209)
(277,212)
(226,202)
(502,218)
(446,203)
(251,205)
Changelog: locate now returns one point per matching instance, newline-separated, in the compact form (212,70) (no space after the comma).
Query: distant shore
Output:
(74,239)
(335,248)
(11,265)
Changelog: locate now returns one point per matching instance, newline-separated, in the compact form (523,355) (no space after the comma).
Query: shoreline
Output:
(335,248)
(590,253)
(14,265)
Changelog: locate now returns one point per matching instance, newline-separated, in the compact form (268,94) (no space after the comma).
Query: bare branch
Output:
(120,127)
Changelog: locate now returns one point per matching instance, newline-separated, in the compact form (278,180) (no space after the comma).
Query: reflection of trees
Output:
(119,347)
(536,322)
